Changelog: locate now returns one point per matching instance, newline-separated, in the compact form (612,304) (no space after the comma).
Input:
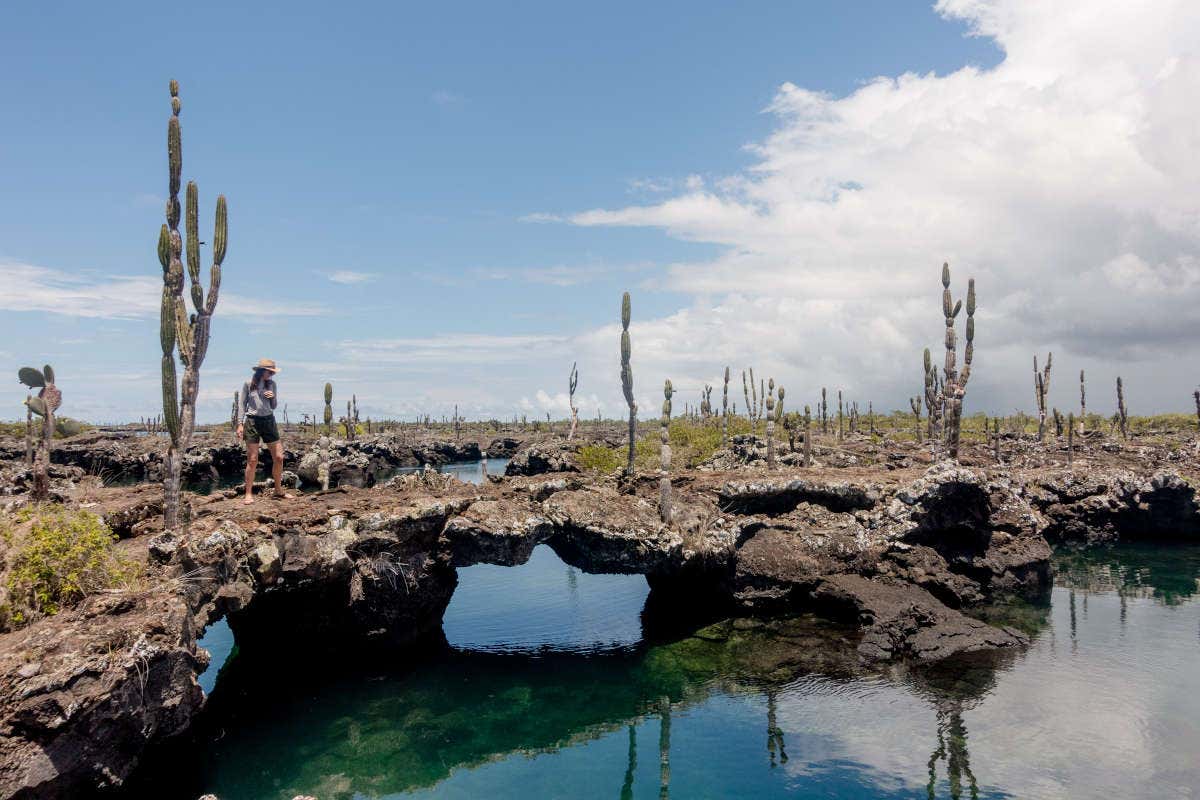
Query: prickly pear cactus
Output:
(48,400)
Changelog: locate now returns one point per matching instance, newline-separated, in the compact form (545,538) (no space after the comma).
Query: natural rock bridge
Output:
(900,553)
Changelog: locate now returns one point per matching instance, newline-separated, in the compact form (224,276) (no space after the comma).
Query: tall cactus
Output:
(725,409)
(178,331)
(1196,397)
(48,399)
(954,383)
(915,404)
(933,399)
(627,379)
(664,476)
(1070,440)
(572,384)
(774,414)
(841,419)
(1041,388)
(1122,414)
(328,407)
(824,412)
(807,437)
(1082,403)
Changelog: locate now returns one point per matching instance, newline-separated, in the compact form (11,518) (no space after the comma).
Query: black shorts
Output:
(261,429)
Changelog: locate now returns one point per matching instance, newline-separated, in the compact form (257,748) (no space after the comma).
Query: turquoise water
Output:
(547,688)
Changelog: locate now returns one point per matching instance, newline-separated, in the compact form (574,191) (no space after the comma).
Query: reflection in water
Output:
(627,786)
(774,732)
(951,748)
(664,748)
(1113,715)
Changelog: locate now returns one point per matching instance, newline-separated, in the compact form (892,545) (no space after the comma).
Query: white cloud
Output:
(32,288)
(350,277)
(1063,180)
(541,217)
(451,348)
(442,97)
(561,275)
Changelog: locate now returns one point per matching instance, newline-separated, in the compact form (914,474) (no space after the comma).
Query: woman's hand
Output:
(269,394)
(240,430)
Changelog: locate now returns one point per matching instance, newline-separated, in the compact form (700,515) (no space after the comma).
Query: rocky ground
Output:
(872,534)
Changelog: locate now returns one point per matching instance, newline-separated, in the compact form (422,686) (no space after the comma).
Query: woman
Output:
(256,423)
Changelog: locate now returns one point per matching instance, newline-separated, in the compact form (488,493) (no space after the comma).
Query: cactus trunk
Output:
(627,379)
(572,383)
(29,431)
(1122,415)
(774,414)
(1082,403)
(1041,388)
(807,437)
(1070,440)
(328,417)
(664,476)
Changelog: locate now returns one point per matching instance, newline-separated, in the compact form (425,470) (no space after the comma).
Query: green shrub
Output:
(66,427)
(56,557)
(600,458)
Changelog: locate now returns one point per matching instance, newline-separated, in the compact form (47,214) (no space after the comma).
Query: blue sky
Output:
(408,189)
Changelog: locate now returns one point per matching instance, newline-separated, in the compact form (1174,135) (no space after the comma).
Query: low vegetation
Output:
(51,558)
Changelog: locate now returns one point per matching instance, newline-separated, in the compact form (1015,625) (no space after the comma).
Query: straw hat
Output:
(266,363)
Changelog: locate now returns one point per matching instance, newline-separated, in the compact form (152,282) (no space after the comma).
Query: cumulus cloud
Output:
(349,277)
(1063,180)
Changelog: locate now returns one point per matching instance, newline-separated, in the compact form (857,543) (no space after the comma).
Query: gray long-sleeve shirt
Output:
(254,403)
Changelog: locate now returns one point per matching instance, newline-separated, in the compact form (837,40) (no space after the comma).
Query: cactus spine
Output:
(725,409)
(664,478)
(328,406)
(178,331)
(1041,387)
(48,399)
(572,383)
(1122,415)
(627,379)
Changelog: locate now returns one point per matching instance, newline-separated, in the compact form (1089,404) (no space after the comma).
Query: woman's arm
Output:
(243,401)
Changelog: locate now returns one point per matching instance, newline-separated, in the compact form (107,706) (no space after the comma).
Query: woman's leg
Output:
(251,469)
(277,467)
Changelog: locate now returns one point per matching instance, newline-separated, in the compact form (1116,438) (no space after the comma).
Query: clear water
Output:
(466,471)
(548,690)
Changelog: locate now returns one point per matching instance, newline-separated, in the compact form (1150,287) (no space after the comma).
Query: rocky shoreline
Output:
(903,552)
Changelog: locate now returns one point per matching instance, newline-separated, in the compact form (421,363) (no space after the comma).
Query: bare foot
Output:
(284,495)
(249,499)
